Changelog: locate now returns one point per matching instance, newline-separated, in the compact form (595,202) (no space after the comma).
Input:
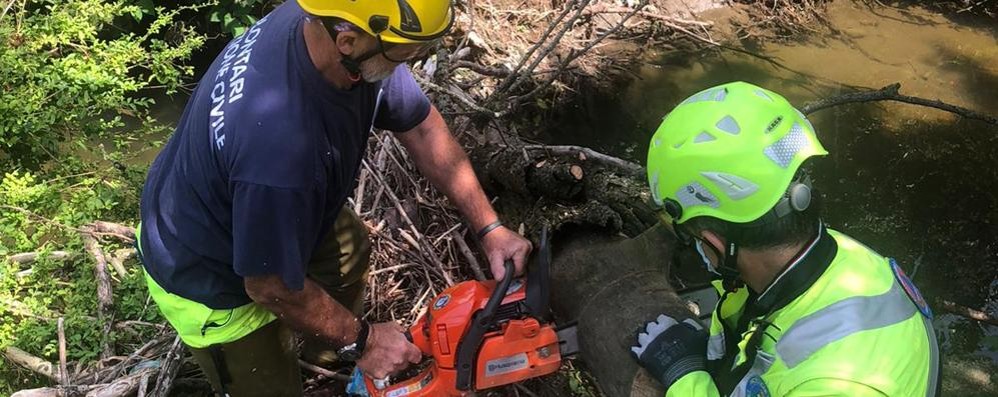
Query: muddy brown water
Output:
(914,183)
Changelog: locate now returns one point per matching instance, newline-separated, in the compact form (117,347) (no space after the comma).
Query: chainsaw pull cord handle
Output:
(471,342)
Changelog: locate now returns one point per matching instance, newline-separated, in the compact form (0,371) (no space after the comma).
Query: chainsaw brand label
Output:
(405,391)
(441,302)
(505,365)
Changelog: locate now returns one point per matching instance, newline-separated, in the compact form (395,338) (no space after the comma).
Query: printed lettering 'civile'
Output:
(229,90)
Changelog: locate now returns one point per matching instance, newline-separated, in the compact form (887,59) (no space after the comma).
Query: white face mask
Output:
(703,257)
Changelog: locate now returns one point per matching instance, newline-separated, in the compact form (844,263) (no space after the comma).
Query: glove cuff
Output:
(682,367)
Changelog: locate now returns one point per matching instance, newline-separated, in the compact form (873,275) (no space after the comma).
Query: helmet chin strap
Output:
(352,65)
(731,277)
(727,268)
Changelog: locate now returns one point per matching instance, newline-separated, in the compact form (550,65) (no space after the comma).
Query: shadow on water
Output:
(978,73)
(620,122)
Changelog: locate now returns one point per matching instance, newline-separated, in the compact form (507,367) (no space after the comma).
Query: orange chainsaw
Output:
(478,335)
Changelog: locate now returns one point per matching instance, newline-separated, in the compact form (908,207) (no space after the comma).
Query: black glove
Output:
(669,349)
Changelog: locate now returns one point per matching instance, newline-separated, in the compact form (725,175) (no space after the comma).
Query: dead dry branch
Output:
(512,52)
(417,251)
(105,308)
(891,93)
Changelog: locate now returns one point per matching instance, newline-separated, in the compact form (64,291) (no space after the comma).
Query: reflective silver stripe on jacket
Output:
(715,347)
(839,320)
(933,358)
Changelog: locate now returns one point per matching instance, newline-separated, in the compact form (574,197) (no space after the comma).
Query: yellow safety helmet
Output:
(395,21)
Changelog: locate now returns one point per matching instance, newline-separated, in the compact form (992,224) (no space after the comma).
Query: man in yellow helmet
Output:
(243,216)
(803,310)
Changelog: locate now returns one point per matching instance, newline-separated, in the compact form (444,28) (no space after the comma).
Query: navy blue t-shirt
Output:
(261,163)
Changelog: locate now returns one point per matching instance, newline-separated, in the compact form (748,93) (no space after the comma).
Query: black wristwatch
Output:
(355,350)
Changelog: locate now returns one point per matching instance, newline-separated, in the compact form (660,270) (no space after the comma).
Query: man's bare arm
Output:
(314,313)
(443,162)
(310,311)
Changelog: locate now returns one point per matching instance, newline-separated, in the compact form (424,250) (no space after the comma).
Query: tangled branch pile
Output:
(507,53)
(419,241)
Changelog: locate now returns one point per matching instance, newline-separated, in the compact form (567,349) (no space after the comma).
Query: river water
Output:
(914,183)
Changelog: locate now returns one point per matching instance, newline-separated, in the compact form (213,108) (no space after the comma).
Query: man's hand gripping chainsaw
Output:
(480,335)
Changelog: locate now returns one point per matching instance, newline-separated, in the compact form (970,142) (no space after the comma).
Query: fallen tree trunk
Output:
(612,287)
(610,284)
(563,185)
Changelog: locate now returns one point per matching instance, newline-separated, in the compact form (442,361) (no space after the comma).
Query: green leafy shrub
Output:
(226,17)
(235,16)
(75,84)
(38,215)
(67,71)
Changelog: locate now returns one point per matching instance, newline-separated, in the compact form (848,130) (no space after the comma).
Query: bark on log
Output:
(63,372)
(25,258)
(56,391)
(563,185)
(168,371)
(612,287)
(28,361)
(122,387)
(125,233)
(105,306)
(117,261)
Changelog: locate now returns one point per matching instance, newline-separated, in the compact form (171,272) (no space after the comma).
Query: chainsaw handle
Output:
(471,342)
(497,294)
(538,279)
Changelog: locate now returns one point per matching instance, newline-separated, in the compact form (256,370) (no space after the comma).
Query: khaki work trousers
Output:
(265,363)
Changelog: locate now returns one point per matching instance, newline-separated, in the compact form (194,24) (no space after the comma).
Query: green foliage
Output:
(75,80)
(235,16)
(228,17)
(67,71)
(34,295)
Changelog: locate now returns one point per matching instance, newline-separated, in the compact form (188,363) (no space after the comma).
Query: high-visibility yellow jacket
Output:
(841,320)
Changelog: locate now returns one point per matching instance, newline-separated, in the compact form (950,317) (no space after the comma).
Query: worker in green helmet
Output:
(803,310)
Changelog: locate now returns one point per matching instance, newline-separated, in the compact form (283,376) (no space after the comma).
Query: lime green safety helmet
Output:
(730,152)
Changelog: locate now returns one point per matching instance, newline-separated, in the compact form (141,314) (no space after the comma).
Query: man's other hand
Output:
(388,351)
(502,244)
